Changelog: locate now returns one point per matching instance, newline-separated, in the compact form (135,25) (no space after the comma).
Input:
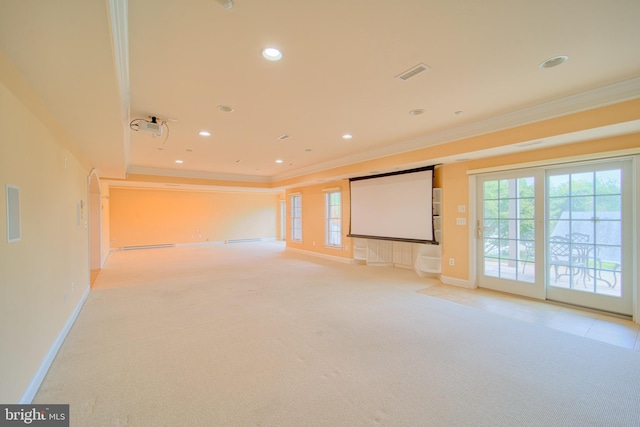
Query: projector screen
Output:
(393,206)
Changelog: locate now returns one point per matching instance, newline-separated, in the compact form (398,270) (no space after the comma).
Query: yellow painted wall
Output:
(455,238)
(106,222)
(149,216)
(36,273)
(313,219)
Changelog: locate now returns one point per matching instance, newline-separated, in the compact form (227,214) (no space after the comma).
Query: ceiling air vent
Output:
(283,137)
(412,72)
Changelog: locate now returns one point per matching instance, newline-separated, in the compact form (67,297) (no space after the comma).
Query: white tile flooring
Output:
(599,326)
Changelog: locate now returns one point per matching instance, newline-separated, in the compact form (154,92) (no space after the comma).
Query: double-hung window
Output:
(333,218)
(296,218)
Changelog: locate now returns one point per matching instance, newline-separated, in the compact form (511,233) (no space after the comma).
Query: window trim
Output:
(327,218)
(294,236)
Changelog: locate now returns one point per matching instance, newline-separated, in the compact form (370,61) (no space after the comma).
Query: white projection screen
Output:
(393,206)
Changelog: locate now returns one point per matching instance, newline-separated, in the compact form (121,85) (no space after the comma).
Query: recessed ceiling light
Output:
(227,4)
(204,133)
(272,54)
(180,162)
(416,112)
(225,108)
(553,62)
(347,136)
(457,113)
(278,161)
(238,161)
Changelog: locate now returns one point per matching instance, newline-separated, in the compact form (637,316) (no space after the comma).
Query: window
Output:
(13,214)
(333,219)
(509,228)
(296,218)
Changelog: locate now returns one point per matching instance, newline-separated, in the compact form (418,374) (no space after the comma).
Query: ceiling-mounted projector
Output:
(153,127)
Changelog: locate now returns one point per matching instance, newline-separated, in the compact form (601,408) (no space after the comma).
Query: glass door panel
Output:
(586,235)
(507,227)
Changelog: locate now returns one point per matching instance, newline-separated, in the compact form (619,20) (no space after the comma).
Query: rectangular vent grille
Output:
(412,72)
(283,137)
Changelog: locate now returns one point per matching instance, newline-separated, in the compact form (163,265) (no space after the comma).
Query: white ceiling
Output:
(337,76)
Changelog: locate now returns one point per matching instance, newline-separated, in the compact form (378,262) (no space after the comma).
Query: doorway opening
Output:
(95,227)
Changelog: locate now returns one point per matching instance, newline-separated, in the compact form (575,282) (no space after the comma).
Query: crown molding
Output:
(588,100)
(140,170)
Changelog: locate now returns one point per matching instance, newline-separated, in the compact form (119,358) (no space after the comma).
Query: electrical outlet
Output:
(452,261)
(461,221)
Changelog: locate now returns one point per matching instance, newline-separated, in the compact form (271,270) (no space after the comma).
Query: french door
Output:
(510,233)
(589,235)
(559,233)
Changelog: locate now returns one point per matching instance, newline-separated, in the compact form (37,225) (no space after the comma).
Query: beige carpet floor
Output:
(253,335)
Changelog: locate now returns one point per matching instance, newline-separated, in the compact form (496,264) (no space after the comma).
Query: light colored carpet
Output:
(252,335)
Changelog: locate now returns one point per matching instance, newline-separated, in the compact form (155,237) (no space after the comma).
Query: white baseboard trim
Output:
(317,254)
(36,381)
(184,245)
(457,282)
(103,261)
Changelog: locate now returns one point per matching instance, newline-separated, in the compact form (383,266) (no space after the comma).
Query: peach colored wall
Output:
(313,219)
(149,217)
(37,272)
(106,222)
(279,230)
(455,238)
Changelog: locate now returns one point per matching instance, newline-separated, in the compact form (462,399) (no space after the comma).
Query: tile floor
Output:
(599,326)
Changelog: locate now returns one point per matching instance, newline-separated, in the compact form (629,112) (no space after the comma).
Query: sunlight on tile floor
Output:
(598,326)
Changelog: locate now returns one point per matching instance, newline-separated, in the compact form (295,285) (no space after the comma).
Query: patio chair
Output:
(563,254)
(527,240)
